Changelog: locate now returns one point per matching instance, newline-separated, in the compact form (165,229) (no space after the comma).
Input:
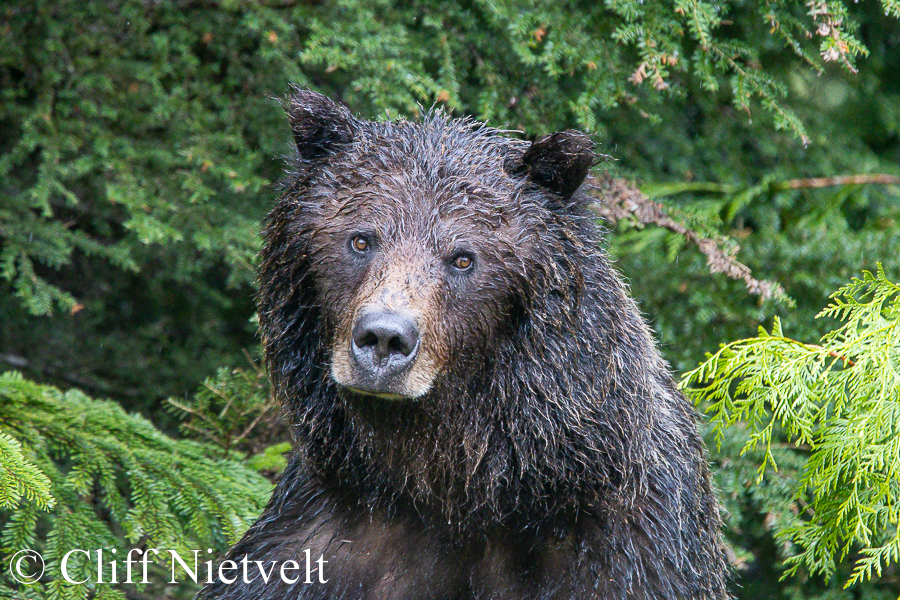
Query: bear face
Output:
(411,269)
(421,256)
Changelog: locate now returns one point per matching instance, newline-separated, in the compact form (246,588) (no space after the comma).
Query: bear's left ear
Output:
(319,124)
(559,161)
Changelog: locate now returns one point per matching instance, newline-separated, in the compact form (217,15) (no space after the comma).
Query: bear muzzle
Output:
(384,345)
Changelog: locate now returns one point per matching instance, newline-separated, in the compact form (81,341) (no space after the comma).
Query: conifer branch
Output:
(775,387)
(820,182)
(618,200)
(106,477)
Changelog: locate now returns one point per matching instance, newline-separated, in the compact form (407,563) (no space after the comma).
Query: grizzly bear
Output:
(478,408)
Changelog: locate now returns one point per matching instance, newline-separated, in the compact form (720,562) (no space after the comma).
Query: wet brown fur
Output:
(550,457)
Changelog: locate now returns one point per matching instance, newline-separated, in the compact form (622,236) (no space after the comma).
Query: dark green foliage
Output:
(139,143)
(95,477)
(134,159)
(809,242)
(233,410)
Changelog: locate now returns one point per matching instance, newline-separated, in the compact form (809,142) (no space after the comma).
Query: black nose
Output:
(384,343)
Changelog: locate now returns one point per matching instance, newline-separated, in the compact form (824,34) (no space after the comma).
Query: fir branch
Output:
(116,481)
(20,477)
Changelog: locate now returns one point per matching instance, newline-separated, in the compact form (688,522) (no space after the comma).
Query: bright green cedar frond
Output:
(840,399)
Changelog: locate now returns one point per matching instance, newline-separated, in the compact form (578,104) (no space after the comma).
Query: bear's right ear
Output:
(319,124)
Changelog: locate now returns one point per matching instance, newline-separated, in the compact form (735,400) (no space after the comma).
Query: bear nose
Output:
(386,342)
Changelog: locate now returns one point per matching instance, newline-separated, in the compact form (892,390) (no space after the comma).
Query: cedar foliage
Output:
(838,401)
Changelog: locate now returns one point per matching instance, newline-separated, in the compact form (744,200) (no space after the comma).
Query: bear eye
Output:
(463,262)
(359,244)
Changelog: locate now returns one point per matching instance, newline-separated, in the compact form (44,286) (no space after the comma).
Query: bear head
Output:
(422,243)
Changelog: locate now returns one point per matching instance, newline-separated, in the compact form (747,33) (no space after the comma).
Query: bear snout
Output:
(387,341)
(383,347)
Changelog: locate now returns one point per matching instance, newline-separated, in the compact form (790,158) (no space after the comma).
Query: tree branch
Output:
(820,182)
(618,200)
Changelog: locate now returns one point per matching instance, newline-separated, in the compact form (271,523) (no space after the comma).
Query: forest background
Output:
(755,169)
